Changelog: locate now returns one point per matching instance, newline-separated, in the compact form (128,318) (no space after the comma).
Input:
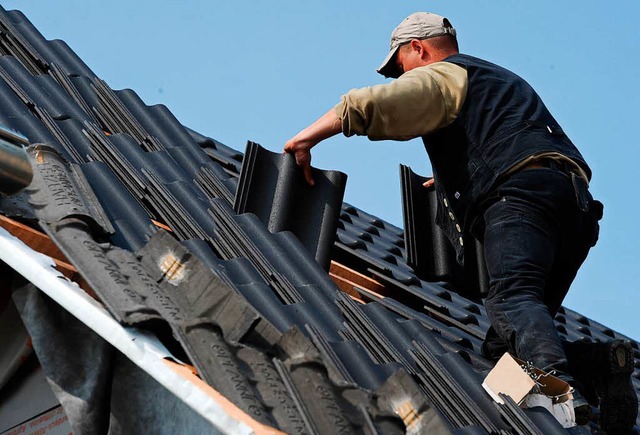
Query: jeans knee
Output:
(501,301)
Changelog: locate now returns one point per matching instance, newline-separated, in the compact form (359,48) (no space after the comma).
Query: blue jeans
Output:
(536,236)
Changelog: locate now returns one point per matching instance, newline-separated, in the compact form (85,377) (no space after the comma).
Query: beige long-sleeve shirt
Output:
(417,103)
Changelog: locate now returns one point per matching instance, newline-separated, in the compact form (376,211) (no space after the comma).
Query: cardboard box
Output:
(510,377)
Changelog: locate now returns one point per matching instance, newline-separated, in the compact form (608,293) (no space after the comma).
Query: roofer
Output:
(505,172)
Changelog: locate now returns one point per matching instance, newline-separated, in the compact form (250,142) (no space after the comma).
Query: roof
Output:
(176,235)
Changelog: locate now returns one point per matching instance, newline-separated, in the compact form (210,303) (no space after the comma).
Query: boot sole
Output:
(618,400)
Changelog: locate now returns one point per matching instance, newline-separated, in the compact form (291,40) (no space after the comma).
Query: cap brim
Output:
(389,67)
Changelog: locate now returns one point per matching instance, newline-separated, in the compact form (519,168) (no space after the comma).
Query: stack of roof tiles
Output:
(259,317)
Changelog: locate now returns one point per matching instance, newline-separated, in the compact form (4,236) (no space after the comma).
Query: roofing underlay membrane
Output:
(235,288)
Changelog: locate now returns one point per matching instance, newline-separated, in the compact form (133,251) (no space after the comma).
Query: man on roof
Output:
(505,172)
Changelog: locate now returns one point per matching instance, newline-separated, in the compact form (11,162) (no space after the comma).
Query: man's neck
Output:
(442,55)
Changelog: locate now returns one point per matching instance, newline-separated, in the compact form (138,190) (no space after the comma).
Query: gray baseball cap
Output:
(419,25)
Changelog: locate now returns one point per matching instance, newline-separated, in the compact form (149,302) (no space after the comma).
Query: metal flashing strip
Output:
(143,349)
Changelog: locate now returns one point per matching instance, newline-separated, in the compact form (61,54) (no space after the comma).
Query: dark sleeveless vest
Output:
(502,121)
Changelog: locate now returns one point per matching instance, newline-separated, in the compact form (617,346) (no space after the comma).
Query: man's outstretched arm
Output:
(419,102)
(300,145)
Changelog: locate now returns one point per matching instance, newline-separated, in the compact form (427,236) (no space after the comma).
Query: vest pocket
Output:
(506,134)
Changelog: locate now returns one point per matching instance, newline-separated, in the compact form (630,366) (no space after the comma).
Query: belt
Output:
(549,164)
(557,165)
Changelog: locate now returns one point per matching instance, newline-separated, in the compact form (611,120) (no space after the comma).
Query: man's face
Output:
(398,61)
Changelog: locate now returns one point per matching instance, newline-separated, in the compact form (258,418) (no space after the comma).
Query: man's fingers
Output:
(303,159)
(308,176)
(429,183)
(288,148)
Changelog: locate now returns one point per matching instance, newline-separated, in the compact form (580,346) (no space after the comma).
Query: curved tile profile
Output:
(273,188)
(429,251)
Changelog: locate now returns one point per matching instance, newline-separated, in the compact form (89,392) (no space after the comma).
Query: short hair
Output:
(441,43)
(444,42)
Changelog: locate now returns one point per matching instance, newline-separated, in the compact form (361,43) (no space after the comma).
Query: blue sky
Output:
(258,70)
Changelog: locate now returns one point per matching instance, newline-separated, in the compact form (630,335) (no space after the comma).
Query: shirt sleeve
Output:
(419,102)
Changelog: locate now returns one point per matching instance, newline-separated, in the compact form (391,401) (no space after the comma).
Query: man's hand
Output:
(429,183)
(300,145)
(302,152)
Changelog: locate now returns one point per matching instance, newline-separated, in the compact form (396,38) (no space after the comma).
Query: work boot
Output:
(581,408)
(612,377)
(581,358)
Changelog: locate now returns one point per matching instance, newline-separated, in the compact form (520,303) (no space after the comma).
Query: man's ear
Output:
(416,45)
(422,49)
